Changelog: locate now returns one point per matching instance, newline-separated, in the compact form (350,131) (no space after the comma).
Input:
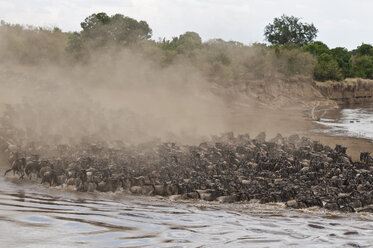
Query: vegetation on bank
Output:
(293,50)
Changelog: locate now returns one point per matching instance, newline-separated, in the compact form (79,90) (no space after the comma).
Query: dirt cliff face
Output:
(349,91)
(148,104)
(296,92)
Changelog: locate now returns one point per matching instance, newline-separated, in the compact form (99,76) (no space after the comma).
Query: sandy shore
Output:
(354,145)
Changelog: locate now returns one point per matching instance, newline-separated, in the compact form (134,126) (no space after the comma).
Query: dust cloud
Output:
(120,97)
(126,95)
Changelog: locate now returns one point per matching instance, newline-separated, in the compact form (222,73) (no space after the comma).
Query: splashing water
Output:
(34,216)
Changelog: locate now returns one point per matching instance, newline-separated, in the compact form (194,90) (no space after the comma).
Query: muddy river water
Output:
(354,122)
(33,215)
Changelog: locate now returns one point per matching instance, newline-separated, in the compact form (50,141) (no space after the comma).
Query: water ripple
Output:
(36,216)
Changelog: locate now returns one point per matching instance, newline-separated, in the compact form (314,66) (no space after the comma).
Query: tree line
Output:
(292,49)
(331,64)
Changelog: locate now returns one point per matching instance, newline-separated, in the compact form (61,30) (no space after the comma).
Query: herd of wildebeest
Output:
(294,170)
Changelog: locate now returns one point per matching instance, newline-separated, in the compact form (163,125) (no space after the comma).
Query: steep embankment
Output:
(277,93)
(349,91)
(276,105)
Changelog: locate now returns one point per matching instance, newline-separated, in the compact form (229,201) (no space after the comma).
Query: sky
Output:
(345,23)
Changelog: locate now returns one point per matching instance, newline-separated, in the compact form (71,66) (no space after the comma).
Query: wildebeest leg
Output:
(8,171)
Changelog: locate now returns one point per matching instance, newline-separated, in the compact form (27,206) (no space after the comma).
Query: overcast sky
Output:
(340,23)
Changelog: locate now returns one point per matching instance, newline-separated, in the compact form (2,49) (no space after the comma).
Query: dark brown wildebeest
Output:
(49,177)
(33,168)
(44,168)
(18,166)
(365,157)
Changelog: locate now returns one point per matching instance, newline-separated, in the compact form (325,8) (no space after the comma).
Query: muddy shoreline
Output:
(354,145)
(297,120)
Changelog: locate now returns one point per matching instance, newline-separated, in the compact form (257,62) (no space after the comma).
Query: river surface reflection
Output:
(354,122)
(32,215)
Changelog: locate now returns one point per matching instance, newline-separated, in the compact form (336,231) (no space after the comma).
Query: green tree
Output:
(316,48)
(288,29)
(364,49)
(188,42)
(327,68)
(222,43)
(343,58)
(126,29)
(362,66)
(185,43)
(101,30)
(117,28)
(93,22)
(75,45)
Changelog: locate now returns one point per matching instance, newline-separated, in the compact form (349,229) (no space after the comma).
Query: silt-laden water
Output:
(351,122)
(33,215)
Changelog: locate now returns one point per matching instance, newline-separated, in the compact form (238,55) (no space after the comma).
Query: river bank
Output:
(350,126)
(348,91)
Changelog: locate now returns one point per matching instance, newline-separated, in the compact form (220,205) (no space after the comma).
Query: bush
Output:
(31,45)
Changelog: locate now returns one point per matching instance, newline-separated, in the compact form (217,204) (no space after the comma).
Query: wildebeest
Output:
(18,167)
(49,177)
(32,168)
(365,157)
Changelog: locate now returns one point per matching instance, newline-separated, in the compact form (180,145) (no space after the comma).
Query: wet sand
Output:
(354,145)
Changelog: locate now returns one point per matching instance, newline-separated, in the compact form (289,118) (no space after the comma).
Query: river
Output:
(356,122)
(32,215)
